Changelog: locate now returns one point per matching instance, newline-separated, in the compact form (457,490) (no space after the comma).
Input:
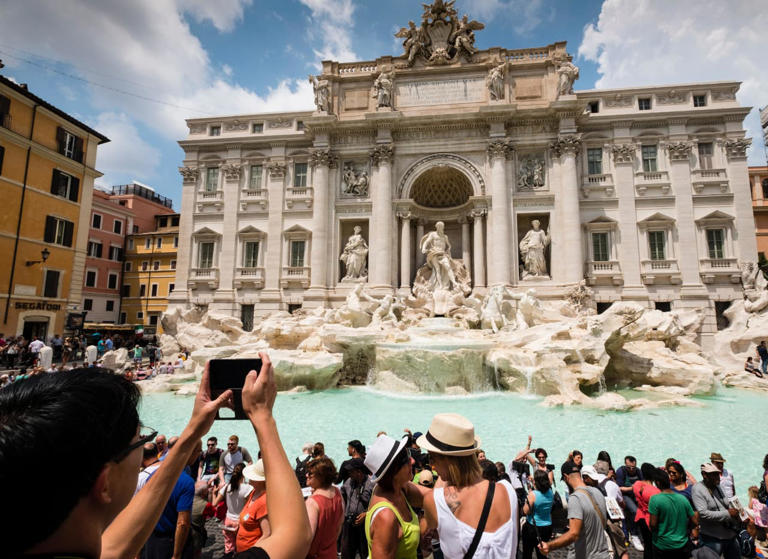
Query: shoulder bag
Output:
(483,520)
(615,534)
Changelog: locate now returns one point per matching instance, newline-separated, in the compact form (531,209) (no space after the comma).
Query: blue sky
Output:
(177,59)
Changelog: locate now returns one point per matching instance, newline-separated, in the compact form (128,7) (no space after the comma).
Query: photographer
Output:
(356,492)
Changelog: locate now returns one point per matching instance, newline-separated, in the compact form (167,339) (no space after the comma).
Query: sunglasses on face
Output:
(146,434)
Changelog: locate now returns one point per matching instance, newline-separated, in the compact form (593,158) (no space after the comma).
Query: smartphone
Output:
(229,374)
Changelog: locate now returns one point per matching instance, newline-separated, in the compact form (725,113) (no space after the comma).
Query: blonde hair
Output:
(461,471)
(753,491)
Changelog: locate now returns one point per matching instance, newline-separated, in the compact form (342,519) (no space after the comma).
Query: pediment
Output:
(716,216)
(603,219)
(658,217)
(297,229)
(206,232)
(250,230)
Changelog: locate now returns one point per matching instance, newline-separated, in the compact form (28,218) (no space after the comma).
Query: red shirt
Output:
(250,528)
(643,493)
(331,512)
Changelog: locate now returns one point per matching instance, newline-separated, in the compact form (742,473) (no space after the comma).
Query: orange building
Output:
(758,180)
(47,169)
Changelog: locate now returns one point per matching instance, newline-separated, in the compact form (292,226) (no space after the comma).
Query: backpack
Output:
(746,544)
(301,470)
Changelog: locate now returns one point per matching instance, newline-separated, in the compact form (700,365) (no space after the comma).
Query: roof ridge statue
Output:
(442,37)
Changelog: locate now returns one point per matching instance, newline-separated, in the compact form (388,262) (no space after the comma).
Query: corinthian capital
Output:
(189,174)
(499,148)
(570,144)
(623,153)
(322,157)
(276,169)
(382,154)
(232,171)
(679,151)
(737,149)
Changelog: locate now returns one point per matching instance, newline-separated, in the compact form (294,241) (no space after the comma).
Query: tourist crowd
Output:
(139,493)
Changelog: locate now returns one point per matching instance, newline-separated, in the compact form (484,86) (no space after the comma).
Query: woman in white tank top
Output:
(456,504)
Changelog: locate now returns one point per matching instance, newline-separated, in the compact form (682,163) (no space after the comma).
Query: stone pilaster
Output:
(380,255)
(566,235)
(686,251)
(465,242)
(225,295)
(499,237)
(273,261)
(321,162)
(478,248)
(419,235)
(405,250)
(738,177)
(628,251)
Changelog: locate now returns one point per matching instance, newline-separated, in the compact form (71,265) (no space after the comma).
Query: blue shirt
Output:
(108,344)
(180,500)
(542,508)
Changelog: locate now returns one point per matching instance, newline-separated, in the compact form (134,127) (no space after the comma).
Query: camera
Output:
(350,518)
(229,374)
(521,468)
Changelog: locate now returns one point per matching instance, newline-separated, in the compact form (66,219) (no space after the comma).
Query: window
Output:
(649,159)
(765,189)
(664,306)
(58,231)
(156,265)
(159,242)
(716,243)
(94,249)
(175,242)
(110,306)
(66,186)
(153,320)
(594,107)
(255,180)
(644,104)
(656,241)
(257,127)
(171,287)
(117,226)
(69,145)
(173,264)
(299,174)
(51,285)
(142,290)
(297,254)
(175,221)
(130,244)
(115,253)
(215,130)
(128,266)
(112,281)
(2,156)
(600,248)
(148,243)
(250,254)
(299,125)
(90,278)
(211,179)
(135,228)
(140,315)
(144,265)
(123,317)
(595,161)
(705,155)
(205,255)
(96,221)
(126,291)
(153,291)
(699,100)
(246,317)
(163,222)
(87,304)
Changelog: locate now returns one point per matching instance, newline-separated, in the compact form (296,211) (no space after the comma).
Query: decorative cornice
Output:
(671,97)
(569,144)
(381,154)
(478,213)
(499,148)
(277,169)
(617,100)
(189,174)
(404,214)
(679,151)
(737,149)
(232,171)
(623,153)
(322,157)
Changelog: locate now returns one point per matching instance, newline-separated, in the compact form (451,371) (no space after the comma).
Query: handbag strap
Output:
(594,504)
(483,519)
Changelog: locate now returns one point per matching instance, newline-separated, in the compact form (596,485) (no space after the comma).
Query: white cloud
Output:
(332,21)
(526,14)
(127,153)
(661,42)
(223,14)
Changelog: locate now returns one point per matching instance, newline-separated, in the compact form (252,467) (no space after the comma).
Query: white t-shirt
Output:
(236,499)
(612,490)
(231,459)
(726,484)
(36,345)
(144,475)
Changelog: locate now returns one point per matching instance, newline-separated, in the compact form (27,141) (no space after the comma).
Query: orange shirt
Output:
(250,529)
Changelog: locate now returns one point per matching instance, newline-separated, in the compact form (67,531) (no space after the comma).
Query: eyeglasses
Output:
(211,444)
(146,434)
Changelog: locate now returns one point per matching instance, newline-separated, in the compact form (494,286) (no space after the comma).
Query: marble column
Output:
(405,249)
(686,252)
(499,237)
(273,262)
(628,249)
(465,252)
(568,216)
(745,241)
(419,235)
(478,248)
(224,298)
(321,161)
(381,241)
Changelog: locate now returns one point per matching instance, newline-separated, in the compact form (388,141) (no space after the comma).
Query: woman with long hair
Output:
(325,509)
(538,508)
(644,490)
(235,493)
(678,480)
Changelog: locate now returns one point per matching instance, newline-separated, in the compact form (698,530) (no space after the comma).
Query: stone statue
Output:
(414,41)
(322,94)
(581,298)
(463,37)
(532,249)
(437,248)
(531,174)
(566,75)
(385,312)
(438,10)
(355,182)
(382,89)
(494,81)
(354,256)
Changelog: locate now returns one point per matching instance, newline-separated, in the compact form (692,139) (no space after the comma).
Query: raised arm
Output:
(290,534)
(132,527)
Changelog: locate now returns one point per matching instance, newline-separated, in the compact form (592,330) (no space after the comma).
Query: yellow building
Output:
(47,168)
(149,273)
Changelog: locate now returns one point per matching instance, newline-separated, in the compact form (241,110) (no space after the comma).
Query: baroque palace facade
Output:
(642,192)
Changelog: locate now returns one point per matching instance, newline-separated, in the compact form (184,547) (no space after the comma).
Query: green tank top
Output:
(409,543)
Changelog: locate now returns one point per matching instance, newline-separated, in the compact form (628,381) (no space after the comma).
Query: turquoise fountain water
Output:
(729,423)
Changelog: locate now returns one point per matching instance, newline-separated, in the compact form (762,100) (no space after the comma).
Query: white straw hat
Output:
(255,472)
(450,434)
(379,457)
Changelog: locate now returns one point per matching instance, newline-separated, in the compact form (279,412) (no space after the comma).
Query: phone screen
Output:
(229,374)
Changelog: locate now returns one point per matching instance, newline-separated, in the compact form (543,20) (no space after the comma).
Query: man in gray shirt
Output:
(586,519)
(718,519)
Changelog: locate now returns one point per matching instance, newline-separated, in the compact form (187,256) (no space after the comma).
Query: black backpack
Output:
(301,470)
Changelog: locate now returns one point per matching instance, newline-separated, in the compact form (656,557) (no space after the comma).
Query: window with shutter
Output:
(112,281)
(74,188)
(50,229)
(142,290)
(51,286)
(69,230)
(90,278)
(2,156)
(5,109)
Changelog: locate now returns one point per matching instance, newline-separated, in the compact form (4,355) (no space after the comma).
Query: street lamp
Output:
(44,254)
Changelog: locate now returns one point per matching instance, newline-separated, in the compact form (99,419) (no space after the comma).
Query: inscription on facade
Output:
(440,92)
(356,99)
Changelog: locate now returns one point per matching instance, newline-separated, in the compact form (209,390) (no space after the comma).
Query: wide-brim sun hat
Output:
(450,434)
(255,472)
(380,456)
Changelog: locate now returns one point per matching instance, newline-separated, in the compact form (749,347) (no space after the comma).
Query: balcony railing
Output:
(295,275)
(667,270)
(596,183)
(701,178)
(249,277)
(603,270)
(660,265)
(208,277)
(251,272)
(255,193)
(211,195)
(606,266)
(299,192)
(720,269)
(719,264)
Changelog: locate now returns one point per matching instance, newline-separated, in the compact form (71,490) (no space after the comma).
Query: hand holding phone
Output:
(230,374)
